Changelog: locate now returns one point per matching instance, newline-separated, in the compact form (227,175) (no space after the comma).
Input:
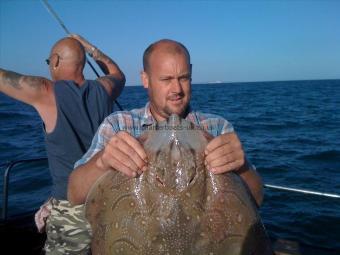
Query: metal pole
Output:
(55,15)
(5,193)
(302,191)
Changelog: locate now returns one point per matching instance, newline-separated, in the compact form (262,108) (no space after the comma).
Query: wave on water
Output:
(328,155)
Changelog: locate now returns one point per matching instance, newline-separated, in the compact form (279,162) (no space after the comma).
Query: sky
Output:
(229,41)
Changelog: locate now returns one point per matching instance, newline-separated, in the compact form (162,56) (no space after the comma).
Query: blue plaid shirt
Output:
(137,120)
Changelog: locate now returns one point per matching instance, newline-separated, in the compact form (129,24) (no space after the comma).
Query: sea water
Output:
(289,130)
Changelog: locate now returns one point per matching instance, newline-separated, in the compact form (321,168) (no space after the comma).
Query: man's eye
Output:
(185,79)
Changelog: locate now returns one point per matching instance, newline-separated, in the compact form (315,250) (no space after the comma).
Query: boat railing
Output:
(6,176)
(303,191)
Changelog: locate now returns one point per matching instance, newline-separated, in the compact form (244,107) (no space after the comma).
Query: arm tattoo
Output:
(9,78)
(16,80)
(97,54)
(103,61)
(34,81)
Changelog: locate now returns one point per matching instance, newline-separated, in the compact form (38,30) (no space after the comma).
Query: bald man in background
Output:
(70,107)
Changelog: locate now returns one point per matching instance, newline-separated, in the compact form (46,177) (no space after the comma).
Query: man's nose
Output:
(176,86)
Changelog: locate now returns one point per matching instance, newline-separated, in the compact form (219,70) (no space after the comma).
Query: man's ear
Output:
(145,79)
(56,64)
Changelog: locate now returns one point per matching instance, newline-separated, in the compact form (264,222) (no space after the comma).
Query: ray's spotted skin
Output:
(177,206)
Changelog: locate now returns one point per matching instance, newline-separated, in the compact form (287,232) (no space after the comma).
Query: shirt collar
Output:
(147,118)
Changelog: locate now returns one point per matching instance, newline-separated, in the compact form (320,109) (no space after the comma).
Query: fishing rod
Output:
(311,192)
(55,15)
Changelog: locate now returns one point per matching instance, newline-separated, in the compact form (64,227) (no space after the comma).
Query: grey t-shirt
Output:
(80,112)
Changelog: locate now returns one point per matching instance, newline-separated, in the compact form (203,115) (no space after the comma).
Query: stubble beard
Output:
(181,111)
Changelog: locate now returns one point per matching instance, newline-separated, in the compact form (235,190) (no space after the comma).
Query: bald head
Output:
(165,46)
(70,51)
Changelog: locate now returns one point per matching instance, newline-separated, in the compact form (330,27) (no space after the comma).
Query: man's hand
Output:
(123,153)
(87,46)
(114,79)
(224,153)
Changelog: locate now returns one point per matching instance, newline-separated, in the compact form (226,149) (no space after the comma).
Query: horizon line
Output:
(233,82)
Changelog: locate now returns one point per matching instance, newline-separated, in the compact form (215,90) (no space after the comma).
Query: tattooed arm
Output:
(114,79)
(28,89)
(33,90)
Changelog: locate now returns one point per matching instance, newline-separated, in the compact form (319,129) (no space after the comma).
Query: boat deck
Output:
(19,236)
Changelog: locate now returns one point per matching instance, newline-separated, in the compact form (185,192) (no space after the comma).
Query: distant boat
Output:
(215,82)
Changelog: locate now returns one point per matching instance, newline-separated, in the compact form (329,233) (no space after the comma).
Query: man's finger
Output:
(122,168)
(219,141)
(218,152)
(125,143)
(124,154)
(133,142)
(227,167)
(226,159)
